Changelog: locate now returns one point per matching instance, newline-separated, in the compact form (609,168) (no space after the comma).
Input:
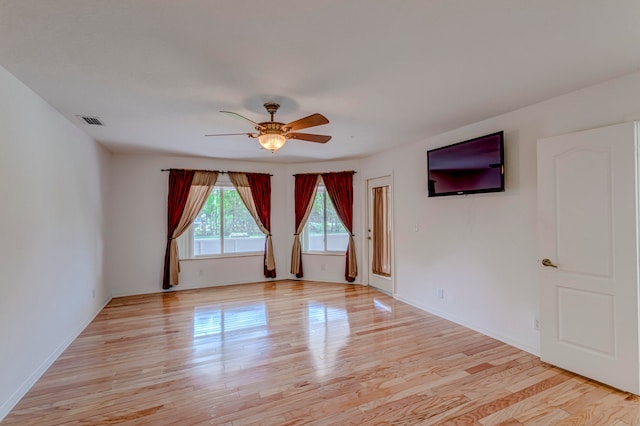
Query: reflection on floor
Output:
(215,320)
(295,352)
(328,331)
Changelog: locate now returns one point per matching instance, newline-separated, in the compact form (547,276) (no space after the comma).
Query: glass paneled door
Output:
(379,230)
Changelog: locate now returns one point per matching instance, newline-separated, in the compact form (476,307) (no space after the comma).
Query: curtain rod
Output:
(195,170)
(232,171)
(319,173)
(219,171)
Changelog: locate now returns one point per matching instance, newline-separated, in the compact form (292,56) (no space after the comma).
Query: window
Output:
(223,226)
(324,232)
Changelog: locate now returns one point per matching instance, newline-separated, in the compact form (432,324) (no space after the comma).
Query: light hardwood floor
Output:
(294,352)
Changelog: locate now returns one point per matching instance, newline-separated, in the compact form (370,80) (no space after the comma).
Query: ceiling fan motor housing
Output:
(270,128)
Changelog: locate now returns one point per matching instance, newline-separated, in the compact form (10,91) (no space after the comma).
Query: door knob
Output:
(547,262)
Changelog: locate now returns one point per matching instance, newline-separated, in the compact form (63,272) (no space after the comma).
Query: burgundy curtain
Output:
(305,189)
(339,186)
(179,187)
(260,185)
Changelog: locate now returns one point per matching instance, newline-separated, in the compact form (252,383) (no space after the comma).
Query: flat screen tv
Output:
(468,167)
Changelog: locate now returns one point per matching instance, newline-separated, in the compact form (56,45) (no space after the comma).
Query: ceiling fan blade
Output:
(310,121)
(251,135)
(236,115)
(309,137)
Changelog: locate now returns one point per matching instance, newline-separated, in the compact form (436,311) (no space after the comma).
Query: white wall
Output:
(54,182)
(138,226)
(482,249)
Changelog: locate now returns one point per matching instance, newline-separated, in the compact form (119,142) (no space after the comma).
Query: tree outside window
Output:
(324,231)
(223,226)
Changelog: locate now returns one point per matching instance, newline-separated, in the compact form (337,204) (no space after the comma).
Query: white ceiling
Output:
(384,72)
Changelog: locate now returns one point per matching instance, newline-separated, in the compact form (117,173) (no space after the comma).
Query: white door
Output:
(587,210)
(379,229)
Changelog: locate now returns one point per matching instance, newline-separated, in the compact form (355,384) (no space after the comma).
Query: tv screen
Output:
(468,167)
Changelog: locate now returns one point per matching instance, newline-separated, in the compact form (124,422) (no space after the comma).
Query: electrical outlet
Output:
(440,293)
(535,323)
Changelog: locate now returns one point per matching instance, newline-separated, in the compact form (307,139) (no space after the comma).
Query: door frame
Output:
(367,213)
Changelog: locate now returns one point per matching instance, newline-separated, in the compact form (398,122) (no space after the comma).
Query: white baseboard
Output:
(196,286)
(452,318)
(225,283)
(8,405)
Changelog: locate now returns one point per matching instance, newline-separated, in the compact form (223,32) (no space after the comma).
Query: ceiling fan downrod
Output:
(271,108)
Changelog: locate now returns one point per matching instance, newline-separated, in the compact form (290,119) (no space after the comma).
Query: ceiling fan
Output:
(272,135)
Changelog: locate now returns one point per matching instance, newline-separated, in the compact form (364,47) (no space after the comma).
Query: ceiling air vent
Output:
(94,121)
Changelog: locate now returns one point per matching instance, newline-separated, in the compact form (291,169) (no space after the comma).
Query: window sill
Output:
(324,253)
(225,256)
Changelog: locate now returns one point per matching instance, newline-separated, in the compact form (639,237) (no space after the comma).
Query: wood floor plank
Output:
(546,401)
(302,352)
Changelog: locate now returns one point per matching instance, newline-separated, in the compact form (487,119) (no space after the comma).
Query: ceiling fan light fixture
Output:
(272,141)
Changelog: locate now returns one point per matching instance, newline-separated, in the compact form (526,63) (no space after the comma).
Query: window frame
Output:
(305,233)
(186,240)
